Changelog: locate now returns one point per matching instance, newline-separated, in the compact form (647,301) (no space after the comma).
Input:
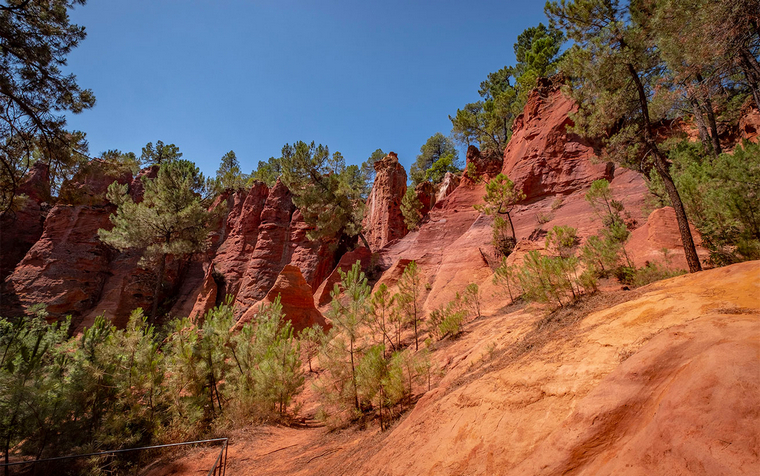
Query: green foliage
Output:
(472,299)
(411,207)
(502,239)
(722,196)
(546,279)
(368,166)
(228,175)
(561,240)
(438,147)
(171,220)
(488,122)
(501,197)
(122,159)
(31,398)
(268,172)
(653,272)
(311,341)
(359,373)
(380,319)
(544,218)
(159,154)
(344,347)
(601,254)
(331,196)
(409,298)
(620,82)
(599,196)
(35,38)
(440,167)
(267,372)
(506,277)
(447,319)
(114,388)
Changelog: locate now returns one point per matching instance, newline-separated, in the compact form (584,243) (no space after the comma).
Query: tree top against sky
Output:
(212,77)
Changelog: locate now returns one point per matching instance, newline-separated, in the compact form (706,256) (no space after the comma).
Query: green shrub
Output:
(506,277)
(653,272)
(503,241)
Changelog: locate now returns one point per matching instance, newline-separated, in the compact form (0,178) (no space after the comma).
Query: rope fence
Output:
(218,469)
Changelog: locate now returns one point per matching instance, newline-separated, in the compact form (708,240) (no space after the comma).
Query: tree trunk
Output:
(711,120)
(660,164)
(700,122)
(364,240)
(353,377)
(512,226)
(683,223)
(157,289)
(416,341)
(751,75)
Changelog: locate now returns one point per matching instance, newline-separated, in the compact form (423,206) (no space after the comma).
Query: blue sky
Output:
(250,76)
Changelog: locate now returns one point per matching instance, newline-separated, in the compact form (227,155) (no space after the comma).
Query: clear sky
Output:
(250,76)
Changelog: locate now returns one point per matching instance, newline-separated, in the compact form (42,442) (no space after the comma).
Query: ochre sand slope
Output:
(666,382)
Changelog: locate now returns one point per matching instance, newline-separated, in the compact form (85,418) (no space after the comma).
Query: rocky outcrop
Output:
(384,221)
(749,125)
(206,298)
(482,165)
(542,157)
(242,224)
(426,195)
(659,240)
(69,265)
(449,183)
(362,255)
(66,268)
(137,187)
(21,228)
(271,253)
(91,182)
(296,298)
(36,183)
(315,259)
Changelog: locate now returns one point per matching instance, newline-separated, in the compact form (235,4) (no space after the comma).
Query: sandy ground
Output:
(662,380)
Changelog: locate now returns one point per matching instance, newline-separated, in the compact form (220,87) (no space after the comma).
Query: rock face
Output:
(362,254)
(20,229)
(482,165)
(91,182)
(449,183)
(384,221)
(542,157)
(660,235)
(315,259)
(749,125)
(242,224)
(296,299)
(66,268)
(271,252)
(426,195)
(657,384)
(69,265)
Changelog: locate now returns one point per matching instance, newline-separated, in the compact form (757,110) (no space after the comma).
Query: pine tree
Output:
(331,197)
(228,175)
(501,197)
(171,220)
(409,298)
(436,148)
(348,313)
(410,208)
(159,154)
(615,73)
(35,38)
